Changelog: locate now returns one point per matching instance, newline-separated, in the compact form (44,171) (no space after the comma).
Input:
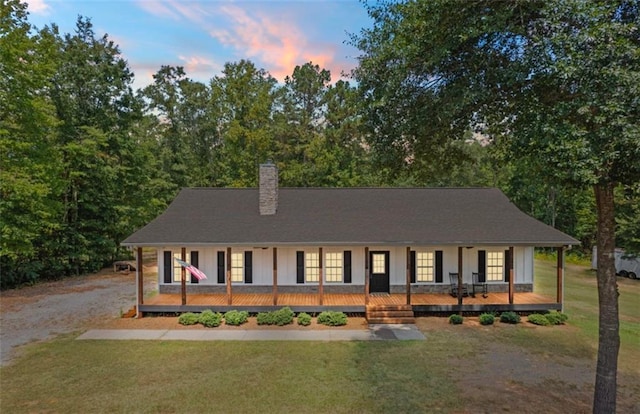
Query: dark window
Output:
(347,266)
(221,269)
(482,266)
(438,266)
(300,267)
(168,264)
(248,267)
(194,262)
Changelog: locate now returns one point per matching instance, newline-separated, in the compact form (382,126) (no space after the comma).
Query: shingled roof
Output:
(347,216)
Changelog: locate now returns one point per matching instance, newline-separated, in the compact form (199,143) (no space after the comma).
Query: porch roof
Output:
(347,216)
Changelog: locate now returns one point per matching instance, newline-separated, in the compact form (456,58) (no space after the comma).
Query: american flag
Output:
(197,273)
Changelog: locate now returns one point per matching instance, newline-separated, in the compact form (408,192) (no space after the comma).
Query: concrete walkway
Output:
(375,332)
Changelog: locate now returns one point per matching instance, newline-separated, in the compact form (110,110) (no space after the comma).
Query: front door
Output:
(379,265)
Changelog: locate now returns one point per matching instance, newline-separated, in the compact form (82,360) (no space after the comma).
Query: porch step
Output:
(391,320)
(390,314)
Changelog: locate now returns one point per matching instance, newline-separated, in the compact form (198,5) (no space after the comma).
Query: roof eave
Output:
(471,243)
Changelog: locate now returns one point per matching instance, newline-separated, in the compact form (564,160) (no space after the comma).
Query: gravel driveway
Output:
(43,311)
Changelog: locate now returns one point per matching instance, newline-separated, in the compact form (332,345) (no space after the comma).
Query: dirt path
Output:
(43,311)
(508,378)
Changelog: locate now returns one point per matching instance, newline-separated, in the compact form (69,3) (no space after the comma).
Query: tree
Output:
(178,110)
(343,137)
(562,206)
(96,110)
(243,96)
(305,90)
(28,177)
(70,163)
(319,130)
(559,79)
(299,121)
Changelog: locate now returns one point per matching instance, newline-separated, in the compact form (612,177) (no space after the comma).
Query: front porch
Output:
(229,296)
(348,302)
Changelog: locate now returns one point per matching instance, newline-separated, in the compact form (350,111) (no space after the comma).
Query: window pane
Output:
(237,267)
(177,269)
(312,267)
(333,267)
(495,266)
(378,263)
(424,266)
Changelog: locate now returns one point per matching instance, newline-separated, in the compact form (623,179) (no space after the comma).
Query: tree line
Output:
(86,160)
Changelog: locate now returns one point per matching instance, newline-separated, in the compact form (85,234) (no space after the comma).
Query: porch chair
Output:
(480,282)
(453,286)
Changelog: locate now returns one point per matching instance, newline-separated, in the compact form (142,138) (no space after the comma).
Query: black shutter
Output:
(412,265)
(438,266)
(300,267)
(482,266)
(194,262)
(248,267)
(168,264)
(347,266)
(221,268)
(507,262)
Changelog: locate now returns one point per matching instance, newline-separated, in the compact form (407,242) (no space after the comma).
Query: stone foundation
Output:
(222,289)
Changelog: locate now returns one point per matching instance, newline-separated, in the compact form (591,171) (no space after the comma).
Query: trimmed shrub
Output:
(556,318)
(304,319)
(280,317)
(455,319)
(210,319)
(486,319)
(283,316)
(332,318)
(510,317)
(265,318)
(188,318)
(538,319)
(236,318)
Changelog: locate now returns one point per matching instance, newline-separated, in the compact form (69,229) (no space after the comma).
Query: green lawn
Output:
(581,305)
(65,375)
(88,376)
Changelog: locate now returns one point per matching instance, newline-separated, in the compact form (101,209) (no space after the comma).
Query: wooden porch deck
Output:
(310,302)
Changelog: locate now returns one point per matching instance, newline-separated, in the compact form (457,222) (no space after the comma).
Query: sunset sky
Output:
(202,35)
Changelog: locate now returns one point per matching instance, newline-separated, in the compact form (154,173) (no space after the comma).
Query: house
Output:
(261,247)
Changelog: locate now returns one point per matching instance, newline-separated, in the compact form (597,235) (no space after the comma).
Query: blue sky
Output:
(202,35)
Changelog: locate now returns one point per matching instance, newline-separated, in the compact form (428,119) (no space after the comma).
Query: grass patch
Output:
(66,375)
(581,306)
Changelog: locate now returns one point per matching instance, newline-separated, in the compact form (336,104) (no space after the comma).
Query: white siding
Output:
(263,262)
(286,266)
(262,266)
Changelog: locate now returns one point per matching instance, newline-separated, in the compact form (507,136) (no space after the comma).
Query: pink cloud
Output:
(277,44)
(176,10)
(192,11)
(38,7)
(158,8)
(143,78)
(198,67)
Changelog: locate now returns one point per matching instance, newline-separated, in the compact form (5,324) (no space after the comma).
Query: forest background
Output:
(86,160)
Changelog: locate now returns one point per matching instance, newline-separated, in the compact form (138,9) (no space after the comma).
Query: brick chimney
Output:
(268,189)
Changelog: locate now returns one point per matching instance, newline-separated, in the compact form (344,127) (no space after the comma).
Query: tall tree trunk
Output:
(604,397)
